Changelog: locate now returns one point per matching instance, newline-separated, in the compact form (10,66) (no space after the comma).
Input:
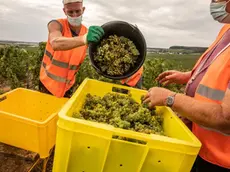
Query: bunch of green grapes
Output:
(116,55)
(121,111)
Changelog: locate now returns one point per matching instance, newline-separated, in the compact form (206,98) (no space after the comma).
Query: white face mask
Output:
(74,21)
(218,11)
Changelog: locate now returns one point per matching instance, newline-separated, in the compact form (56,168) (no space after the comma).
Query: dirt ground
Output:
(49,166)
(18,160)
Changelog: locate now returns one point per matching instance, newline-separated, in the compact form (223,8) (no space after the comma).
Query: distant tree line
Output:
(193,49)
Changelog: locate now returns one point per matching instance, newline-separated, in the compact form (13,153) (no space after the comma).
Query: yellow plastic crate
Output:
(28,120)
(84,146)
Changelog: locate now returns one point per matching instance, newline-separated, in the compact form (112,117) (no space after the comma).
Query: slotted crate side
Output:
(83,151)
(82,134)
(47,137)
(62,150)
(28,127)
(18,133)
(173,126)
(167,161)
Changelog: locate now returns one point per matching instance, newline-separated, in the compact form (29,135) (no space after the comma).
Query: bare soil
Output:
(13,159)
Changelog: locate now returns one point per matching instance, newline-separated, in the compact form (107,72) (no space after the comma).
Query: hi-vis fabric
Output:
(59,67)
(212,88)
(210,93)
(133,80)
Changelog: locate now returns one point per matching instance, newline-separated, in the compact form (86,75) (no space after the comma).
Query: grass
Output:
(187,60)
(30,49)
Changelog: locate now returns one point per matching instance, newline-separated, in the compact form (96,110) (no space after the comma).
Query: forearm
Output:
(209,115)
(188,76)
(64,43)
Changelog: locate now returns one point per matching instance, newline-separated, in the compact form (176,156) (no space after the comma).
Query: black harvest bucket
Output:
(121,28)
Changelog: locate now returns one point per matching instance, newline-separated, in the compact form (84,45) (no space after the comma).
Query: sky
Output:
(163,23)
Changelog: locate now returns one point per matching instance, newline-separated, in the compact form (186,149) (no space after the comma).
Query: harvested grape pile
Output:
(121,111)
(116,55)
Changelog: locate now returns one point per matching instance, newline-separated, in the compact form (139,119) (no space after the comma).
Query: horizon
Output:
(2,41)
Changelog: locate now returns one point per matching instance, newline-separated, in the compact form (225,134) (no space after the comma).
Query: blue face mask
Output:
(218,11)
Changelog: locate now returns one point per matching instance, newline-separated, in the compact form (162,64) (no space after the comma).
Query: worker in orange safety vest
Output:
(66,50)
(206,102)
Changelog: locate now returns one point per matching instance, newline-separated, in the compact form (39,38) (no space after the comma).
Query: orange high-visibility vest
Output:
(133,80)
(59,67)
(215,145)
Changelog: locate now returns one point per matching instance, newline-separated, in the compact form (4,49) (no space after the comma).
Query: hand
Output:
(95,33)
(173,76)
(156,96)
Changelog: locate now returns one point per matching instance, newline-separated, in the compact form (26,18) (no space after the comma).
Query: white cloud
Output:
(163,23)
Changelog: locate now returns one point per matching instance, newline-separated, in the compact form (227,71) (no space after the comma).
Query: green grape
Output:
(121,111)
(116,55)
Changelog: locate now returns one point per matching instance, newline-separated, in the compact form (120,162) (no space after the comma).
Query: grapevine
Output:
(13,66)
(21,68)
(35,65)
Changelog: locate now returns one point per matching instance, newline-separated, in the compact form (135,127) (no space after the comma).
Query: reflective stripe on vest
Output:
(55,77)
(214,94)
(59,63)
(210,93)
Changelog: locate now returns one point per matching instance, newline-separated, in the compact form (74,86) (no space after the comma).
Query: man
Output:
(66,50)
(207,99)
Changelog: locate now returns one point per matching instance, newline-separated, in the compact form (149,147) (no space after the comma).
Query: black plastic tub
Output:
(121,28)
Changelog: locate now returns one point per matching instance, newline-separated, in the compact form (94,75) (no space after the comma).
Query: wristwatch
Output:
(170,100)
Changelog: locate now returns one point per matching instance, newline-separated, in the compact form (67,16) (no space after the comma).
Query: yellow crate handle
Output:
(132,135)
(120,90)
